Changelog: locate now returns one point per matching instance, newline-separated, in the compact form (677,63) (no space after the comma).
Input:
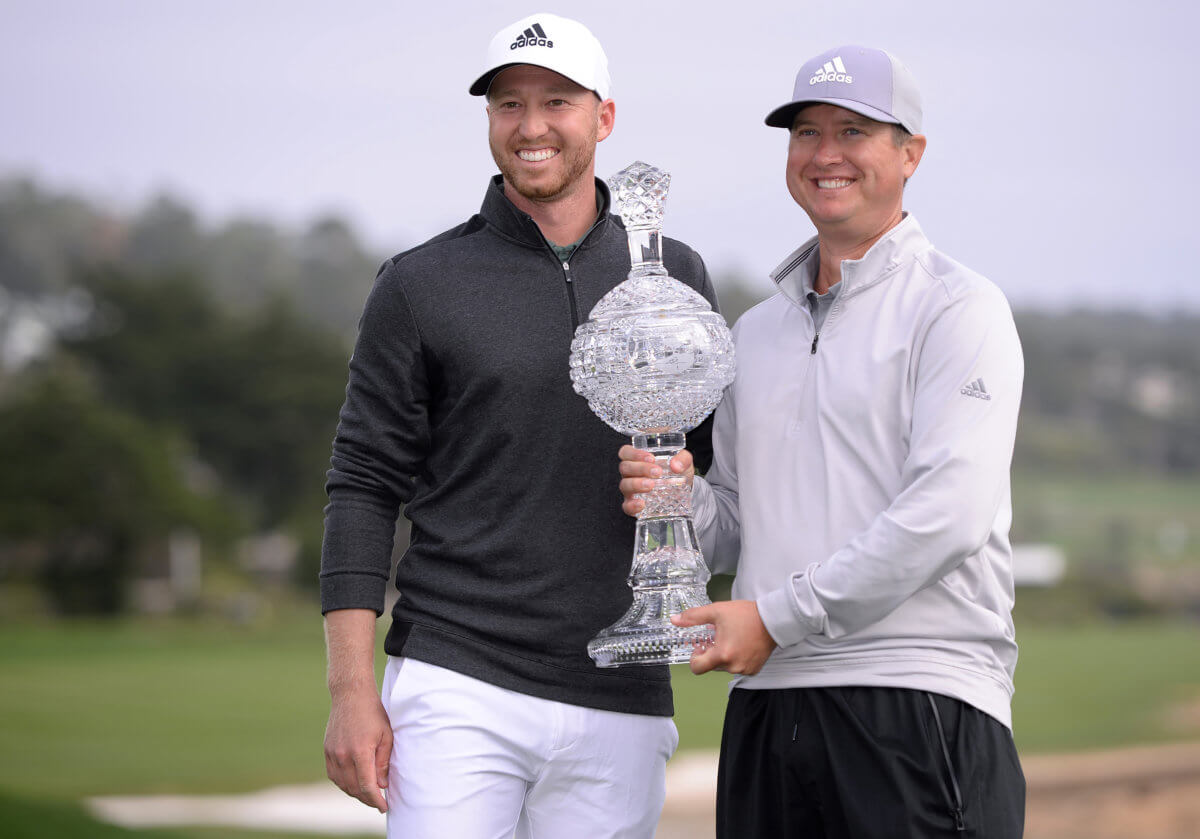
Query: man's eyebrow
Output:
(848,120)
(565,90)
(549,90)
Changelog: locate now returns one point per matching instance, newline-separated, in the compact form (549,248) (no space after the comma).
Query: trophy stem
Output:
(645,251)
(671,495)
(667,577)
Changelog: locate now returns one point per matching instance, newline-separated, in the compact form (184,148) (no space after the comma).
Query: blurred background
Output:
(194,198)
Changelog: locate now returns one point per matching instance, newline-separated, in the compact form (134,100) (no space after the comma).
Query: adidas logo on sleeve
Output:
(534,36)
(832,71)
(977,390)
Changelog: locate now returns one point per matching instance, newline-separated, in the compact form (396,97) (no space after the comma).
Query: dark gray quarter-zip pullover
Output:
(460,407)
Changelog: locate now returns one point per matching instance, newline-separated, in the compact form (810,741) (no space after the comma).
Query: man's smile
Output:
(536,155)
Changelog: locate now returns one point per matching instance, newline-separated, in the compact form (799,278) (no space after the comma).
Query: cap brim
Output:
(783,116)
(484,83)
(481,84)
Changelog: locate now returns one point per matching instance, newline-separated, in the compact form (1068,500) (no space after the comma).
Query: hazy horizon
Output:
(1038,118)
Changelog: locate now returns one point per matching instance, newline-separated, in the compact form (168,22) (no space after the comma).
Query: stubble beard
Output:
(575,163)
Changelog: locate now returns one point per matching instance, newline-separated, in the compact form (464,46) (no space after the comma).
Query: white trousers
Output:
(474,761)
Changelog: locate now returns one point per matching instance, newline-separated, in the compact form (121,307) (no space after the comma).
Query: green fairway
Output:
(1077,688)
(1114,522)
(1103,686)
(146,707)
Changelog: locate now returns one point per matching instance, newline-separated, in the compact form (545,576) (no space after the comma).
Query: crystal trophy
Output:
(653,361)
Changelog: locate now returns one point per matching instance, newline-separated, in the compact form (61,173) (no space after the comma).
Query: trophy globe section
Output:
(649,369)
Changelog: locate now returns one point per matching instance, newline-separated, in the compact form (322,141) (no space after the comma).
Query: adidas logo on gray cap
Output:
(832,71)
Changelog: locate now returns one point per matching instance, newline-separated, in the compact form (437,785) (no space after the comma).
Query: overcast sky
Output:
(1062,158)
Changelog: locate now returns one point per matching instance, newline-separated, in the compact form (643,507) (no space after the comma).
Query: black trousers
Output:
(865,763)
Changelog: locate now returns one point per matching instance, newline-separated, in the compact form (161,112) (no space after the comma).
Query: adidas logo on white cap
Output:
(571,51)
(832,71)
(534,36)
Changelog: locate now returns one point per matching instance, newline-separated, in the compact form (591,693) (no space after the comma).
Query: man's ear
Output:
(606,115)
(914,148)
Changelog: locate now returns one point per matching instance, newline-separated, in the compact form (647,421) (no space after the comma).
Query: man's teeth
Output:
(833,183)
(534,155)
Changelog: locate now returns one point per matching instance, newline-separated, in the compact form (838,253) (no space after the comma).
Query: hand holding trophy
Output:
(653,361)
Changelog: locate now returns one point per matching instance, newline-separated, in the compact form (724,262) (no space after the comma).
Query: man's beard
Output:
(576,162)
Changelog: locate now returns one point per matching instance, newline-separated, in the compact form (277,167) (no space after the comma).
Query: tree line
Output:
(189,377)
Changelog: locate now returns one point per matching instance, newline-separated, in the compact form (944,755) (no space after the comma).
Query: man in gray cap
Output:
(493,720)
(860,488)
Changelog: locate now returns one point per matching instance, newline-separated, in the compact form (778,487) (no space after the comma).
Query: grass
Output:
(1117,522)
(1077,688)
(146,707)
(199,707)
(1109,685)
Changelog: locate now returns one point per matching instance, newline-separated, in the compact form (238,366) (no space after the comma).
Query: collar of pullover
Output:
(898,245)
(519,226)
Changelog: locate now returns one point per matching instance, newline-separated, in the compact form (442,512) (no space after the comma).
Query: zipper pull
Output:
(959,825)
(816,338)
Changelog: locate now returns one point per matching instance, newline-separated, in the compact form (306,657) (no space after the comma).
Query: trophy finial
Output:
(639,192)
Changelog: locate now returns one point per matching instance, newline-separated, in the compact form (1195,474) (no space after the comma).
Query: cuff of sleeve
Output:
(704,508)
(782,615)
(352,591)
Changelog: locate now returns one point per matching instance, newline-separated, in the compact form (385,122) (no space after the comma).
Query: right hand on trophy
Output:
(742,644)
(358,745)
(639,471)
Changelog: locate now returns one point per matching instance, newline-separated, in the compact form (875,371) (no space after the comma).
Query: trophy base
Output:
(664,644)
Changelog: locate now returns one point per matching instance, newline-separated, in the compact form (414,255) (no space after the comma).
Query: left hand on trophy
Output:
(639,472)
(742,643)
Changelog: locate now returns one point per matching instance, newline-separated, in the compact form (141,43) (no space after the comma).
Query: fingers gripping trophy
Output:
(653,360)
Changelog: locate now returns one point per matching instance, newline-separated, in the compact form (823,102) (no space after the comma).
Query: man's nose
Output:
(828,151)
(533,124)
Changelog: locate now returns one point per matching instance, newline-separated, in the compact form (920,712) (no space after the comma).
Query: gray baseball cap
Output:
(867,81)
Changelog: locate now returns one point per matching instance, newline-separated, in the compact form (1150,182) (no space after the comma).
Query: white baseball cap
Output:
(867,81)
(556,43)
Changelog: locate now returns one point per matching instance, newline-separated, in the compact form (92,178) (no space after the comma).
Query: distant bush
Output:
(84,490)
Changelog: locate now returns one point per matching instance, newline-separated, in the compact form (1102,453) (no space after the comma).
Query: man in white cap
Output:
(860,487)
(493,720)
